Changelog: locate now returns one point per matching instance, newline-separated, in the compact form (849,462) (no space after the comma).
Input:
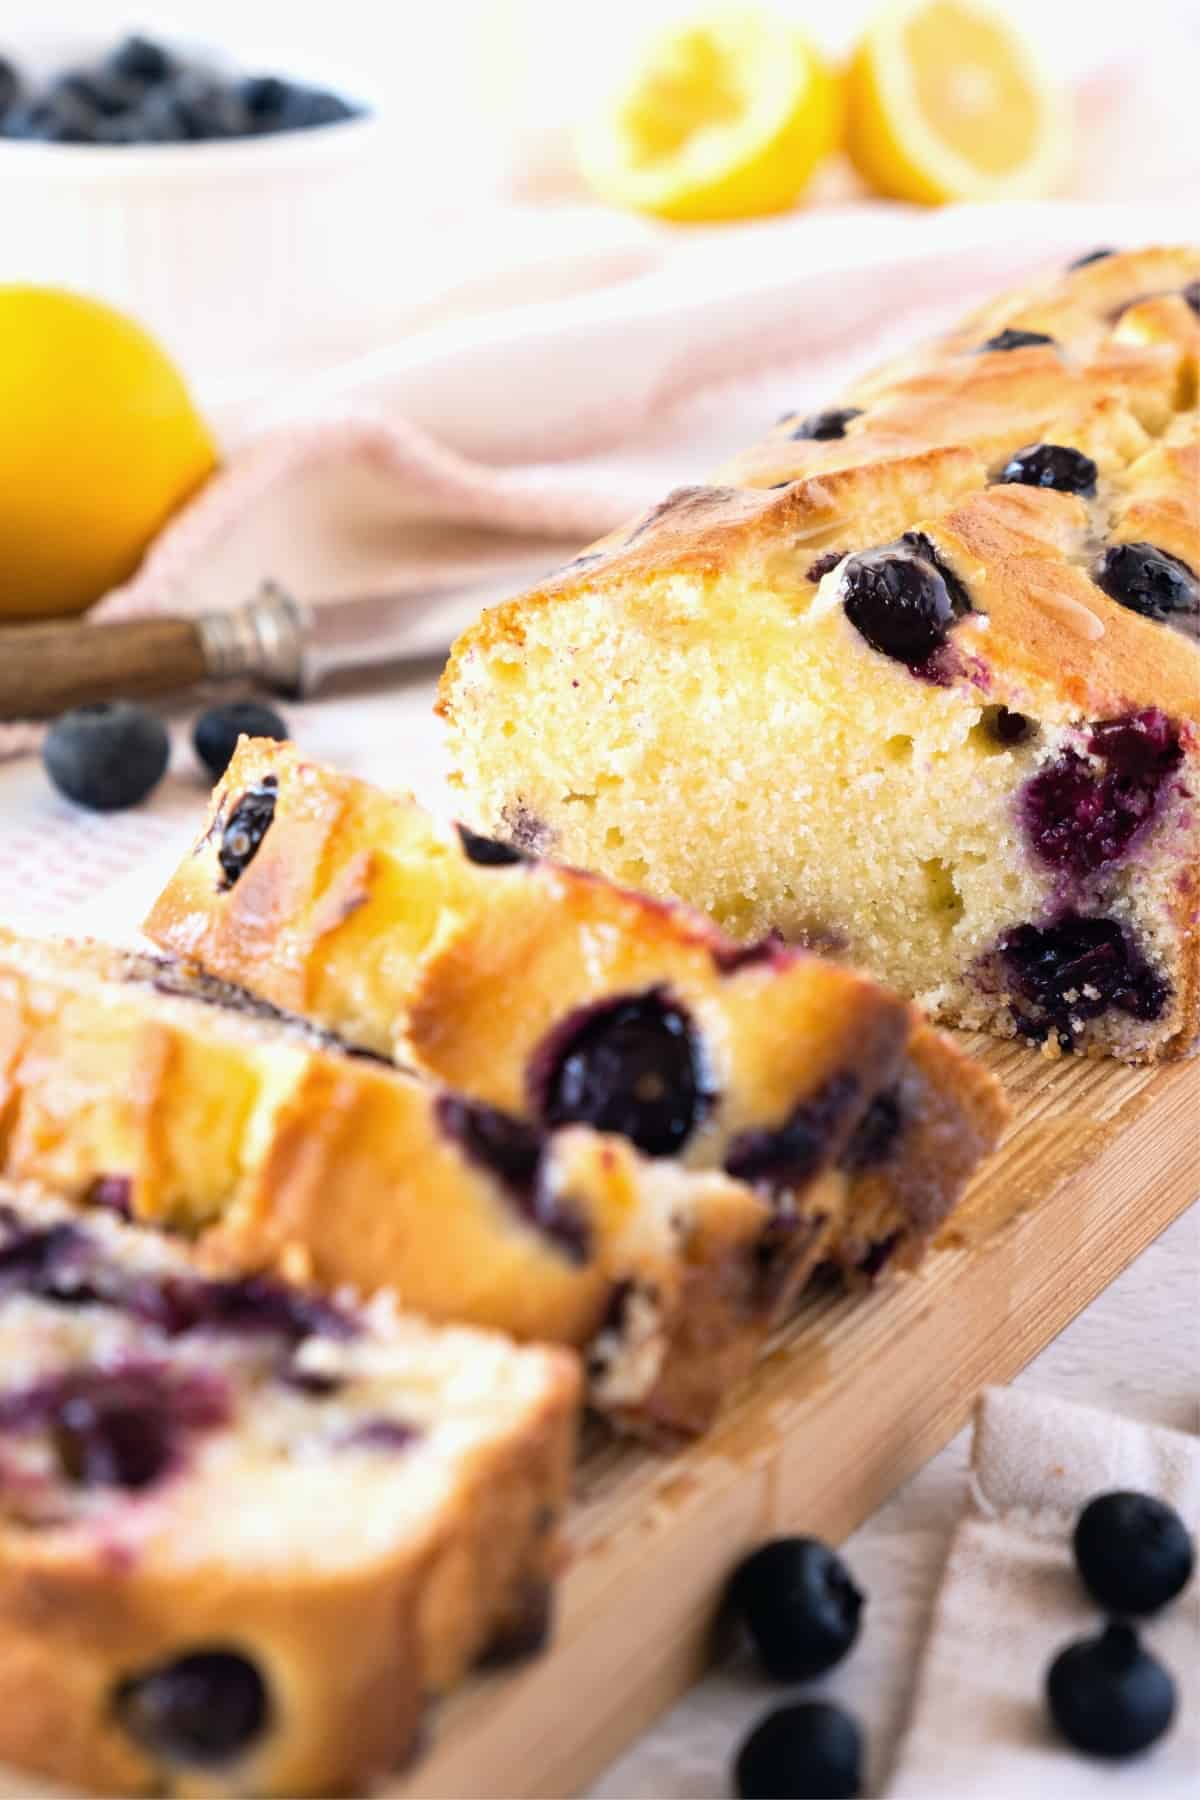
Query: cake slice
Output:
(245,1532)
(126,1082)
(919,681)
(559,997)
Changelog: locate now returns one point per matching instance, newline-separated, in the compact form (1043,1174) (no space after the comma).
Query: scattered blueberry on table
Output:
(800,1606)
(810,1751)
(106,756)
(216,732)
(143,93)
(1133,1552)
(1108,1696)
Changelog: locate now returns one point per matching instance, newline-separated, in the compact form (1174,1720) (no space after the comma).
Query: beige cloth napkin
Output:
(1010,1600)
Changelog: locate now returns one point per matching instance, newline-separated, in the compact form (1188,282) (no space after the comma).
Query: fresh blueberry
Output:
(1081,813)
(631,1066)
(810,1751)
(245,829)
(193,106)
(799,1604)
(490,853)
(1133,1552)
(903,599)
(216,732)
(1090,256)
(10,86)
(826,425)
(106,756)
(1149,582)
(206,1707)
(305,108)
(65,121)
(1108,1696)
(139,59)
(1011,338)
(265,97)
(1074,970)
(1191,293)
(1051,466)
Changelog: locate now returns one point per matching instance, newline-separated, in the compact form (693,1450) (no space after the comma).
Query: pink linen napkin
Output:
(1010,1600)
(516,434)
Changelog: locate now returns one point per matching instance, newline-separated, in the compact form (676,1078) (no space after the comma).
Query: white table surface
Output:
(1134,1351)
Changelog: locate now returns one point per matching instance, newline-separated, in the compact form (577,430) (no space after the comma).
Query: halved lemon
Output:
(724,117)
(945,101)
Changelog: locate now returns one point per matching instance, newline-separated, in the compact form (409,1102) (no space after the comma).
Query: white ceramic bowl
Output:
(239,253)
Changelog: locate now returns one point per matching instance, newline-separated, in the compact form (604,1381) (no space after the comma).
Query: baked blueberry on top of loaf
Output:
(246,1531)
(560,998)
(927,690)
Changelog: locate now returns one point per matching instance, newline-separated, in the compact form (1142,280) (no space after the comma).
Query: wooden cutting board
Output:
(853,1398)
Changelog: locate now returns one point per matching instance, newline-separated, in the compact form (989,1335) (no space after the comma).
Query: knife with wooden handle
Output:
(273,641)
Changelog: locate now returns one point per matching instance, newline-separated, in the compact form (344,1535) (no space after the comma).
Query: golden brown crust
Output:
(932,428)
(349,1650)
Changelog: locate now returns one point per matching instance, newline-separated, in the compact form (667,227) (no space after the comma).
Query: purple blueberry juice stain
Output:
(123,1427)
(381,1433)
(876,1135)
(510,1150)
(1081,813)
(787,1156)
(64,1264)
(112,1193)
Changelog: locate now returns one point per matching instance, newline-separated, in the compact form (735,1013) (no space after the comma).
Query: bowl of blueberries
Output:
(231,206)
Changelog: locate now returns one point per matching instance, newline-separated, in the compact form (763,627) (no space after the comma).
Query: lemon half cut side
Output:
(723,117)
(945,101)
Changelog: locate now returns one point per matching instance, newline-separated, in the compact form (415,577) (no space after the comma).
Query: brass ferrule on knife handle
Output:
(44,669)
(263,641)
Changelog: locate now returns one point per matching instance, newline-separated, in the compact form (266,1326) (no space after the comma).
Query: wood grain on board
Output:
(851,1399)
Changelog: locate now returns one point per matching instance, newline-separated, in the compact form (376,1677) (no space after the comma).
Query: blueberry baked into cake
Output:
(246,1531)
(126,1084)
(918,680)
(560,999)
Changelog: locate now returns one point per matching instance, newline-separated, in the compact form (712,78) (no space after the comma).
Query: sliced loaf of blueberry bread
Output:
(560,998)
(245,1531)
(917,680)
(124,1081)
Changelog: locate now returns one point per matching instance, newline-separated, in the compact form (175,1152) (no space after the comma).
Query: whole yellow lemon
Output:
(100,442)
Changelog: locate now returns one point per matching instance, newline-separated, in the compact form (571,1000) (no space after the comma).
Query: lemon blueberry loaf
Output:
(919,680)
(124,1081)
(246,1531)
(560,998)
